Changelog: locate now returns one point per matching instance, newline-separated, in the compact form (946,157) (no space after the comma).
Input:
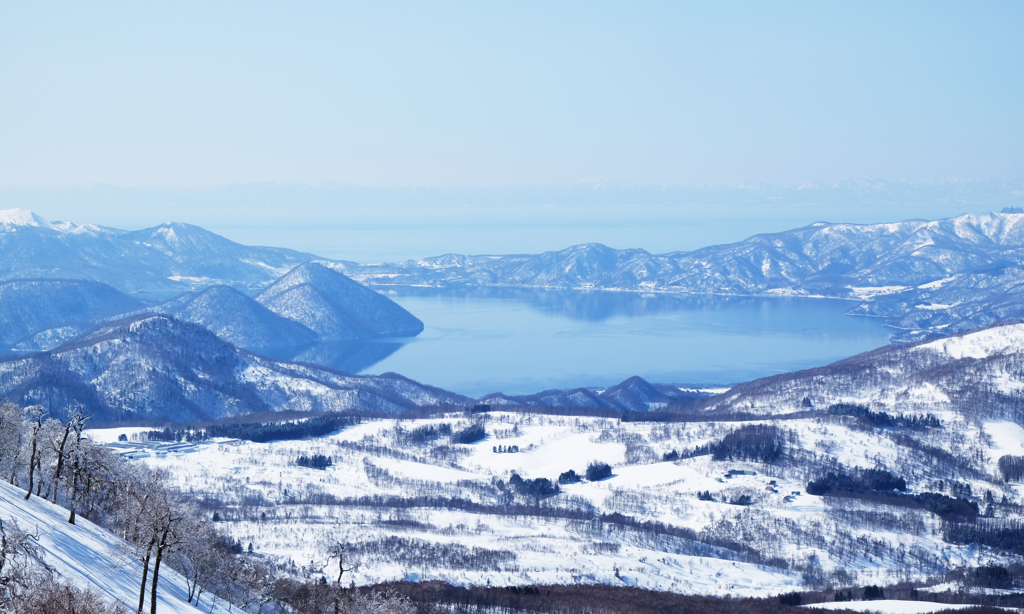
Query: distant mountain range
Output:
(157,262)
(925,278)
(88,275)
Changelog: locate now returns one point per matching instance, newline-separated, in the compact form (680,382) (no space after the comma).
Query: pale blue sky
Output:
(508,93)
(497,96)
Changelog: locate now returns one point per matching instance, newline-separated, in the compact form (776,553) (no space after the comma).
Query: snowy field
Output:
(892,606)
(426,509)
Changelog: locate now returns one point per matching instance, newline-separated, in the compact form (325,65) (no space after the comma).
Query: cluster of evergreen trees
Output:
(882,419)
(470,434)
(864,481)
(883,487)
(596,471)
(1012,468)
(316,461)
(536,489)
(754,442)
(569,477)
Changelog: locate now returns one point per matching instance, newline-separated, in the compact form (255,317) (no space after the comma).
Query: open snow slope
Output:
(88,556)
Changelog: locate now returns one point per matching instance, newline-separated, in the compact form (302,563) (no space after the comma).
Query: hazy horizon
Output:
(379,224)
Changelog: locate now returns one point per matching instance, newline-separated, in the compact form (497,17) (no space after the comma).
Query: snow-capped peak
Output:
(21,217)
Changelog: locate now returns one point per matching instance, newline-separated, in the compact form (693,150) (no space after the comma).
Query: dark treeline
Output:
(882,419)
(864,481)
(571,599)
(470,434)
(754,442)
(422,435)
(880,486)
(1011,468)
(316,461)
(261,432)
(1006,535)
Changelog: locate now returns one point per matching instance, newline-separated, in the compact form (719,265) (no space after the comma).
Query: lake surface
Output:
(524,341)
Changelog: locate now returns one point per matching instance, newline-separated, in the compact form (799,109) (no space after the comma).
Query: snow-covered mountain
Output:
(335,307)
(156,367)
(926,276)
(64,307)
(161,261)
(979,374)
(238,319)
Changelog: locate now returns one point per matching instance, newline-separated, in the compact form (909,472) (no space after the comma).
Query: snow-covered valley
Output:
(449,512)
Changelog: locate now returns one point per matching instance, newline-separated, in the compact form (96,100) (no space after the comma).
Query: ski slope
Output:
(88,556)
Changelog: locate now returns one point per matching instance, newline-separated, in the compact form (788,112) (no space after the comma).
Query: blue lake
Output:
(524,341)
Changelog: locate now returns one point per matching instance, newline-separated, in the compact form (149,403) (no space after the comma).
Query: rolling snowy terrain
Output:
(911,480)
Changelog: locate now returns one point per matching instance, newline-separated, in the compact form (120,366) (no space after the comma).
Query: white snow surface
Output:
(891,606)
(21,217)
(980,344)
(88,556)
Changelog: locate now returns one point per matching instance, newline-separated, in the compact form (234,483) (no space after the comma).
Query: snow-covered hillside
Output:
(976,374)
(88,556)
(37,314)
(238,319)
(335,307)
(156,367)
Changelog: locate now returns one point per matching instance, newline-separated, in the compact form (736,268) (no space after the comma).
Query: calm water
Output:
(524,341)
